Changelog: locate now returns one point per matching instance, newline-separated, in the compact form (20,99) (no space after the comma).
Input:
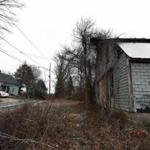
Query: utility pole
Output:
(49,80)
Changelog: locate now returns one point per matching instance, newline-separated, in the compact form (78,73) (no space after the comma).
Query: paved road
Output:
(55,103)
(16,104)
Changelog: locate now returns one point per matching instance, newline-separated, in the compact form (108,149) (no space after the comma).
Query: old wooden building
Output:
(123,73)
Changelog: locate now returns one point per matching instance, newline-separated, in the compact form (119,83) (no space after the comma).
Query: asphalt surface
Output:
(4,106)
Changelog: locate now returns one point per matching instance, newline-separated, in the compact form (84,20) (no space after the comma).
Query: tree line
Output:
(75,66)
(29,77)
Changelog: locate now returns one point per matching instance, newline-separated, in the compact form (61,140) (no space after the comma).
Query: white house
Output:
(9,84)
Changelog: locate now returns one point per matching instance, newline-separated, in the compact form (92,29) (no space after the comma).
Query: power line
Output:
(28,39)
(43,68)
(3,51)
(15,58)
(20,51)
(44,58)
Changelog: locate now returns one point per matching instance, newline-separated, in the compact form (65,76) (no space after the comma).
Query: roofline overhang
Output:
(120,40)
(139,60)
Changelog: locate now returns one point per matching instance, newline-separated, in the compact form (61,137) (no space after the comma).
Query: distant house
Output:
(9,84)
(123,73)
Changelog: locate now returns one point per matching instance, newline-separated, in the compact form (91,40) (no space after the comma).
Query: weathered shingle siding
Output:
(141,85)
(121,84)
(111,57)
(105,59)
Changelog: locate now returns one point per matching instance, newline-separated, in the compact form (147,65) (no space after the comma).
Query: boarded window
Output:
(106,86)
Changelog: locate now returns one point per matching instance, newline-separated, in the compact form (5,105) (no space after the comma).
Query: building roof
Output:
(122,40)
(136,50)
(133,47)
(5,78)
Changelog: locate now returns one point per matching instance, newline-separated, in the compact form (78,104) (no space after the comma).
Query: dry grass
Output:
(69,127)
(8,100)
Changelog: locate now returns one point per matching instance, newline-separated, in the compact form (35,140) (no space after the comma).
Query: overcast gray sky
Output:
(49,24)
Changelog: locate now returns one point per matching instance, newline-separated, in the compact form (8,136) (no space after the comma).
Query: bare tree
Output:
(7,15)
(36,71)
(83,31)
(62,70)
(79,62)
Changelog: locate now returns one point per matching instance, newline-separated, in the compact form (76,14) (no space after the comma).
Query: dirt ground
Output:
(139,117)
(58,103)
(64,102)
(8,100)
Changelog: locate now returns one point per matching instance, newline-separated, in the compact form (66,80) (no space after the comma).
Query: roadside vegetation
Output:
(46,126)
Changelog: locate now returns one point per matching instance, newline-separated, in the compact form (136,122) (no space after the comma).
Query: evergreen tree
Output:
(25,74)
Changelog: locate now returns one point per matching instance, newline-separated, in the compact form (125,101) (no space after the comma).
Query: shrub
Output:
(146,125)
(120,117)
